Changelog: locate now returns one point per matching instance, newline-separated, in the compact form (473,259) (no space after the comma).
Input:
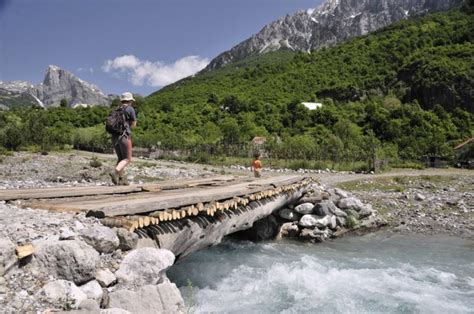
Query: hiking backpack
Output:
(116,121)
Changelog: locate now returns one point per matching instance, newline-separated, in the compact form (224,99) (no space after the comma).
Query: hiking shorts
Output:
(123,147)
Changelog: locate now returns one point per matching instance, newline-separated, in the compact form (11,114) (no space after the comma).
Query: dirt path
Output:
(332,179)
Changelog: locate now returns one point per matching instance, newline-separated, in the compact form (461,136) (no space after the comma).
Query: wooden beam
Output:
(24,251)
(62,192)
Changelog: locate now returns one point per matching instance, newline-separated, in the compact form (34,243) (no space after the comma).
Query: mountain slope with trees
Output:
(427,59)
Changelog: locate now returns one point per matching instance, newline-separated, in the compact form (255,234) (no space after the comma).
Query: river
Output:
(376,273)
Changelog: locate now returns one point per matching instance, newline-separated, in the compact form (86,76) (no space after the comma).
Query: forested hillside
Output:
(399,94)
(427,59)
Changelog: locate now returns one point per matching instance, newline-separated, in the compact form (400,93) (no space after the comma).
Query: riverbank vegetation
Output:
(397,95)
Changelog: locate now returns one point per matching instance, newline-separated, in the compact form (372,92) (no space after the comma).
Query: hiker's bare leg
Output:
(121,165)
(125,162)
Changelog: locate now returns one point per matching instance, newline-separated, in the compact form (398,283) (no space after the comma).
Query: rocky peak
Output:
(60,84)
(332,22)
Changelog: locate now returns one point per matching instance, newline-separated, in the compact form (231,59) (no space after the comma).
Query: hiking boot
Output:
(114,176)
(123,181)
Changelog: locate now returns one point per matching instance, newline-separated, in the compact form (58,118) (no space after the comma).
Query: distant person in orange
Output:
(257,166)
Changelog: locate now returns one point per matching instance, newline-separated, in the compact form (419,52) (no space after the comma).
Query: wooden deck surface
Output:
(130,200)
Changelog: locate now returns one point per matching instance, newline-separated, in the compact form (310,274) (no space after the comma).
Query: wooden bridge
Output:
(182,216)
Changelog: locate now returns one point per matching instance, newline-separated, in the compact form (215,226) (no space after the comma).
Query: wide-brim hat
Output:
(127,97)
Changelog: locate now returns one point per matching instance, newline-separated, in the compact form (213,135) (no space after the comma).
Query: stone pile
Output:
(88,270)
(323,214)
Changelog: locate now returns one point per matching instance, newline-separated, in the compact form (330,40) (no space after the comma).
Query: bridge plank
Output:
(139,203)
(62,192)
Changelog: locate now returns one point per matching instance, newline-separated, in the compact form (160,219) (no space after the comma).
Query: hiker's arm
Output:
(133,124)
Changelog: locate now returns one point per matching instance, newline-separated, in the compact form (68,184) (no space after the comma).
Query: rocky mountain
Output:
(333,22)
(58,84)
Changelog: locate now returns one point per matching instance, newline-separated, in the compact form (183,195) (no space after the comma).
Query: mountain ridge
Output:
(332,22)
(58,84)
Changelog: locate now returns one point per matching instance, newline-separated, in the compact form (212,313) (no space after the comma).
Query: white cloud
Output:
(156,74)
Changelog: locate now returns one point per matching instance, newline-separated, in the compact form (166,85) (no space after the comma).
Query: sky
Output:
(124,45)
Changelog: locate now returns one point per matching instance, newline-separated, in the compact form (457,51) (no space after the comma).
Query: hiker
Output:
(256,166)
(123,141)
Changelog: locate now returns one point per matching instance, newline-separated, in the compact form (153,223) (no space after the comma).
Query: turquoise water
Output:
(376,273)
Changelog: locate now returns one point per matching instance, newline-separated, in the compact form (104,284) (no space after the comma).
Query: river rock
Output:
(341,193)
(63,293)
(114,311)
(350,203)
(324,208)
(341,221)
(289,214)
(314,235)
(93,290)
(313,198)
(67,234)
(353,213)
(332,222)
(374,221)
(89,306)
(128,240)
(366,211)
(145,265)
(71,260)
(305,208)
(351,221)
(103,239)
(162,298)
(288,230)
(262,230)
(419,197)
(105,277)
(308,221)
(7,254)
(340,213)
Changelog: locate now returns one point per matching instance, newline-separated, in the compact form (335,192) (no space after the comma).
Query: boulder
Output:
(263,229)
(288,230)
(305,208)
(340,213)
(366,211)
(308,221)
(145,265)
(351,222)
(289,214)
(89,306)
(374,221)
(7,254)
(341,221)
(105,277)
(93,290)
(128,240)
(103,239)
(66,234)
(314,235)
(162,298)
(350,203)
(353,213)
(324,208)
(70,259)
(332,222)
(341,193)
(63,293)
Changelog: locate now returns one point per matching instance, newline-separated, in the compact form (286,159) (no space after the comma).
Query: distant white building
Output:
(80,106)
(312,105)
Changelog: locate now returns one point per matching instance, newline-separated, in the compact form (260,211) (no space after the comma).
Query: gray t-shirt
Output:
(130,116)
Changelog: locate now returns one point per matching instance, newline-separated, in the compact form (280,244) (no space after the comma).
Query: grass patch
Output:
(384,184)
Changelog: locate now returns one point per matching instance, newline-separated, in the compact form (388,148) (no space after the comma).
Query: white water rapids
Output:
(376,273)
